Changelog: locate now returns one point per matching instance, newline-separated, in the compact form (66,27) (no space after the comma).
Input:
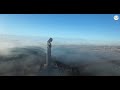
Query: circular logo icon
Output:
(116,17)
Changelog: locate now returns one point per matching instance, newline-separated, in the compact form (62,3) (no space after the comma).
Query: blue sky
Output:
(84,26)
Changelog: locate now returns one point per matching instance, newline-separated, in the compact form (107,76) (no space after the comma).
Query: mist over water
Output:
(25,56)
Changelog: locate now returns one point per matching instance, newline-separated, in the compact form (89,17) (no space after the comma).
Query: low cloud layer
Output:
(91,60)
(21,56)
(25,56)
(22,61)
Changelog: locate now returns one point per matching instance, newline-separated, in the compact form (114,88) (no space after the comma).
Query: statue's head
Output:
(50,40)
